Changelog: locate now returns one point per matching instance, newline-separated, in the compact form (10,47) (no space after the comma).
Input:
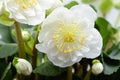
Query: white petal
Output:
(31,12)
(19,16)
(94,45)
(41,47)
(84,11)
(46,4)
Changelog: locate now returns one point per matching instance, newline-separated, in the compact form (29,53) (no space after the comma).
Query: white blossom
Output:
(68,35)
(30,12)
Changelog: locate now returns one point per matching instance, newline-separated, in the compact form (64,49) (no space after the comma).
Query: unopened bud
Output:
(97,67)
(22,66)
(25,35)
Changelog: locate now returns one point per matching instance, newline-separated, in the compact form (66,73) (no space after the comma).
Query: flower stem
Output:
(69,73)
(19,40)
(87,77)
(34,53)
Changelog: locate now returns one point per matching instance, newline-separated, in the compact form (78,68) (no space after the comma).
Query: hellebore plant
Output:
(58,40)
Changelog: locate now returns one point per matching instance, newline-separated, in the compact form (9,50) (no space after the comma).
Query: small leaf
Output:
(110,65)
(6,71)
(48,69)
(5,20)
(71,4)
(88,1)
(105,28)
(114,52)
(5,34)
(3,65)
(106,6)
(8,50)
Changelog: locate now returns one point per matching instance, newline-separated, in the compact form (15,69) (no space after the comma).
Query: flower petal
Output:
(94,44)
(46,4)
(84,11)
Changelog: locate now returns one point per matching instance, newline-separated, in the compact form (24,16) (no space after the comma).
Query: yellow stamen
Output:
(25,4)
(68,38)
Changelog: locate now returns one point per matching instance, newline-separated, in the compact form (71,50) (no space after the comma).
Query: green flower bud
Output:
(22,66)
(97,67)
(25,35)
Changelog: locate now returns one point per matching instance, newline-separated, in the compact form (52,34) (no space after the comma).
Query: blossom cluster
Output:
(67,35)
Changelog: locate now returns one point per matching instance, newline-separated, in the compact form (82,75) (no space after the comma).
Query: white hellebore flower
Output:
(22,66)
(69,35)
(30,12)
(97,67)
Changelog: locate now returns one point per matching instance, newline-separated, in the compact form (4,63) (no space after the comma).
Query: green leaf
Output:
(110,65)
(71,4)
(48,69)
(106,6)
(8,50)
(88,1)
(114,52)
(6,72)
(5,34)
(105,29)
(5,20)
(3,65)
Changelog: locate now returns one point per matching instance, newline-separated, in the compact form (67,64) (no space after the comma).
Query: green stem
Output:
(87,77)
(117,20)
(69,73)
(28,47)
(34,53)
(19,40)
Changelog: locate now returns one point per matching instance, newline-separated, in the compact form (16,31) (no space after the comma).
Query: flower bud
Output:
(22,66)
(97,67)
(25,35)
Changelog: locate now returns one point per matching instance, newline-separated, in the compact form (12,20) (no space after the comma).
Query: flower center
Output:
(67,38)
(25,4)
